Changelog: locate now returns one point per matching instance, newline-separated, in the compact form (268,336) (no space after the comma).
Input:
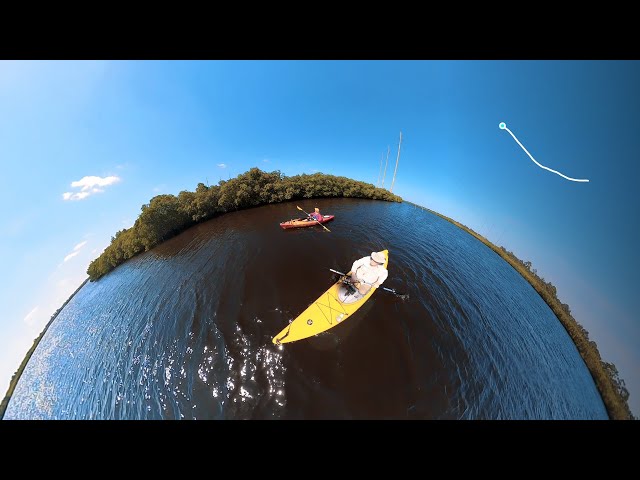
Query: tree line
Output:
(167,215)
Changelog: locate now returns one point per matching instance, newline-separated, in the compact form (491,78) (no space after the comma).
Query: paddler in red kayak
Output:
(316,215)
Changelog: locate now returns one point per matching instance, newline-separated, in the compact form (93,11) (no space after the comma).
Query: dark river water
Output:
(184,331)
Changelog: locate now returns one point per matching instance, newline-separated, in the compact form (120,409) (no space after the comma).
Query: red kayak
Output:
(301,222)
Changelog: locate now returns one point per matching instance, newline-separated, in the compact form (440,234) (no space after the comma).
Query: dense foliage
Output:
(167,215)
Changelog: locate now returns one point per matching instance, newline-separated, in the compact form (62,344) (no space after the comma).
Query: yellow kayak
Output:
(332,307)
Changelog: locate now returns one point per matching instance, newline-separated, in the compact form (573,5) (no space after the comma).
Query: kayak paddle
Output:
(314,219)
(403,296)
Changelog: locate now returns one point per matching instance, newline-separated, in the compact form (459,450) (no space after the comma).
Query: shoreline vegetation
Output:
(167,215)
(605,375)
(16,376)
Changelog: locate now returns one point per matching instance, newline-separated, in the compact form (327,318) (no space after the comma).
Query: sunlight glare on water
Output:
(185,330)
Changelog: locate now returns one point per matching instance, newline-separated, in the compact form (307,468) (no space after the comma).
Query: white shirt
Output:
(368,274)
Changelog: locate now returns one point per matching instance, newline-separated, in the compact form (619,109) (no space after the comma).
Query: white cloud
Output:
(70,256)
(74,196)
(266,160)
(76,251)
(89,185)
(222,165)
(79,246)
(30,318)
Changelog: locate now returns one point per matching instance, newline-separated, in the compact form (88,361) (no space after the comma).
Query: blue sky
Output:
(122,132)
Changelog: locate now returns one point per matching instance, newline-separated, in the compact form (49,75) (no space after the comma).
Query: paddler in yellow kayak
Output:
(367,272)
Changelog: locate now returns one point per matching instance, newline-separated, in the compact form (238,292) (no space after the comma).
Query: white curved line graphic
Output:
(503,126)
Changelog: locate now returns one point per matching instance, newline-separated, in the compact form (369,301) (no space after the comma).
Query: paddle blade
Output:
(403,296)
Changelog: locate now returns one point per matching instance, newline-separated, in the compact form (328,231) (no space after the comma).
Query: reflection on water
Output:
(184,331)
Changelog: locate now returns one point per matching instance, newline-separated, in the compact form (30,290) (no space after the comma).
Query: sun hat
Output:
(378,257)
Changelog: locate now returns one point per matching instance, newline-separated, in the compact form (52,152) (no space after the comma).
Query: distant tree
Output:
(620,384)
(159,219)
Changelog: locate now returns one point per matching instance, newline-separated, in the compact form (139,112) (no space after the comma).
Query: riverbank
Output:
(604,374)
(16,376)
(167,215)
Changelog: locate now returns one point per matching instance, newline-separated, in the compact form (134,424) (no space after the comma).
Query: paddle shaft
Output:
(314,219)
(390,290)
